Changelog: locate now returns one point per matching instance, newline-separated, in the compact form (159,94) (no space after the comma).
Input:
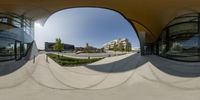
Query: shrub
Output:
(68,61)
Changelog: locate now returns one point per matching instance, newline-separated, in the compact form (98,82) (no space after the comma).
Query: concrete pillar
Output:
(142,41)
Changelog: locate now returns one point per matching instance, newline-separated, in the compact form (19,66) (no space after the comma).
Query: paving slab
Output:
(133,77)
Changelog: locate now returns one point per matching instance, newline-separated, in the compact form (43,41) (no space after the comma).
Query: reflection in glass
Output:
(183,19)
(180,40)
(183,28)
(7,49)
(184,48)
(18,50)
(15,40)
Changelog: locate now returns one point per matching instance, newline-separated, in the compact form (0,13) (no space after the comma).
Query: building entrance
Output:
(18,50)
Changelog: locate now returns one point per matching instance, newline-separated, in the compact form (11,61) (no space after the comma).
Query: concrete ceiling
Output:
(151,14)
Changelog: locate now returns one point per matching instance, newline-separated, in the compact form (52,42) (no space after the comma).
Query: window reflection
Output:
(15,42)
(184,48)
(180,39)
(183,19)
(183,28)
(7,49)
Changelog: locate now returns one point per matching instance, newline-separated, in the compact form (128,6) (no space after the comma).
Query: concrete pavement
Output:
(128,77)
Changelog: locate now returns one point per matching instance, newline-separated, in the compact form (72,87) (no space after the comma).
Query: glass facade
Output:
(7,50)
(180,40)
(16,36)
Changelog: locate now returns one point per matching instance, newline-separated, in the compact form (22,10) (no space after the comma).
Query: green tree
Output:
(128,48)
(115,48)
(121,47)
(58,46)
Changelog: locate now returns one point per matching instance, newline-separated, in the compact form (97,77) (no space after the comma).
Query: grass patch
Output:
(68,61)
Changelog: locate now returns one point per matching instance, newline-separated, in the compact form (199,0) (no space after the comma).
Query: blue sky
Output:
(79,26)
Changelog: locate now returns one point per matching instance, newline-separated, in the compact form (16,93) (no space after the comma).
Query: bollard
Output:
(47,59)
(34,59)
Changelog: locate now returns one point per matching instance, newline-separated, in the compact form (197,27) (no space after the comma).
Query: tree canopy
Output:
(58,45)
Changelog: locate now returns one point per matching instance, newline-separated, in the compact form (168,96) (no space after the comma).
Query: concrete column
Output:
(142,41)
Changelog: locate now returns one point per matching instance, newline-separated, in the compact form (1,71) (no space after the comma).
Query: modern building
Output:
(16,36)
(118,44)
(180,39)
(49,47)
(167,28)
(89,49)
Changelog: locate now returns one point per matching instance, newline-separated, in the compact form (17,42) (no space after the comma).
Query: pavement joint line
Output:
(16,85)
(74,86)
(43,85)
(170,84)
(123,81)
(189,78)
(110,87)
(168,74)
(58,81)
(175,63)
(85,88)
(65,84)
(130,76)
(30,73)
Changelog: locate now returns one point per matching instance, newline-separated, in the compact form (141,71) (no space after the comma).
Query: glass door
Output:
(17,50)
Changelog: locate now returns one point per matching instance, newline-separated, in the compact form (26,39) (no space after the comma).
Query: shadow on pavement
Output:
(176,68)
(126,64)
(182,69)
(10,66)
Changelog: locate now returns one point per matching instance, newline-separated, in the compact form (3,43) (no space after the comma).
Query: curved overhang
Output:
(153,15)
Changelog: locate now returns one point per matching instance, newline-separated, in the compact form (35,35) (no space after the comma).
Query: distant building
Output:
(89,49)
(67,47)
(79,49)
(118,45)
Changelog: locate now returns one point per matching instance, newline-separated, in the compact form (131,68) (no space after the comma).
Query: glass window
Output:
(190,14)
(18,50)
(25,48)
(162,48)
(4,20)
(1,19)
(164,35)
(9,47)
(183,28)
(183,42)
(7,51)
(185,48)
(16,22)
(183,19)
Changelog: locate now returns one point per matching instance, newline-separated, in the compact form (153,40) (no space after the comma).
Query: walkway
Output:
(126,77)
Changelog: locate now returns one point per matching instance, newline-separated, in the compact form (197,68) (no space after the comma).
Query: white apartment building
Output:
(124,43)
